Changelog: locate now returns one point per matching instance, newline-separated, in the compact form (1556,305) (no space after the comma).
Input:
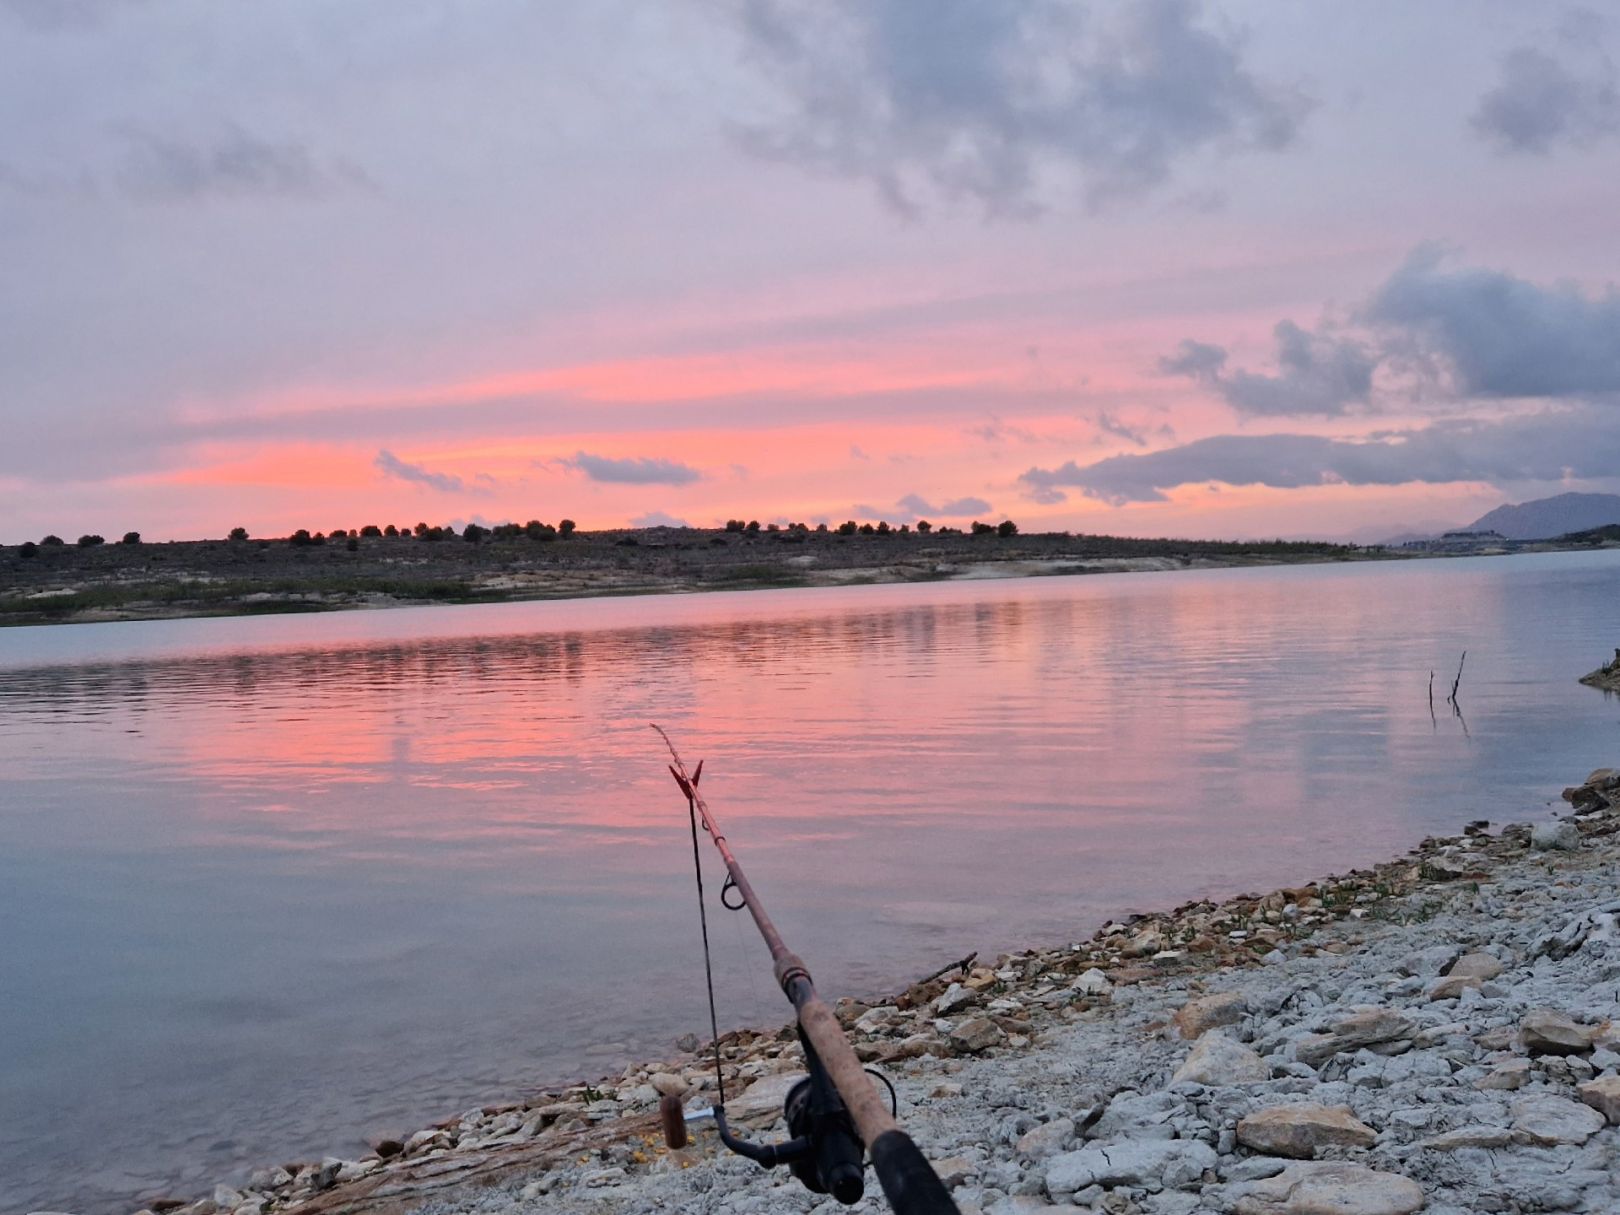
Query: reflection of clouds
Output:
(336,675)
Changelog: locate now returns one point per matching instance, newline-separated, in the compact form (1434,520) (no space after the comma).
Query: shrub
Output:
(391,531)
(238,533)
(301,538)
(753,527)
(339,533)
(1006,528)
(51,541)
(90,541)
(371,531)
(867,529)
(924,526)
(847,528)
(352,544)
(982,529)
(27,549)
(131,538)
(883,528)
(566,527)
(473,533)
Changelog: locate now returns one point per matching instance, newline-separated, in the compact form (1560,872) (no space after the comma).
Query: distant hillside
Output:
(1546,518)
(1609,533)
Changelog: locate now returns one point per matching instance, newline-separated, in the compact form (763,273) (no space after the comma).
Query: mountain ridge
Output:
(1549,518)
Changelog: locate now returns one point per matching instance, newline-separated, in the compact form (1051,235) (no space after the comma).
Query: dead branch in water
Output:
(945,970)
(1452,699)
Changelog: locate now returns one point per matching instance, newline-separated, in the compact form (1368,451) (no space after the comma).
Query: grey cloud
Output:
(1504,336)
(633,471)
(391,465)
(1107,423)
(1200,360)
(1582,442)
(918,507)
(1316,374)
(236,163)
(657,518)
(997,431)
(980,101)
(1540,102)
(1044,494)
(913,507)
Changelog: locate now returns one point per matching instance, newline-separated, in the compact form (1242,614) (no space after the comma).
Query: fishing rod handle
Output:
(909,1181)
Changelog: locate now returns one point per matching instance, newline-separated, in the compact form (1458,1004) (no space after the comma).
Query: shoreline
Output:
(1132,983)
(199,579)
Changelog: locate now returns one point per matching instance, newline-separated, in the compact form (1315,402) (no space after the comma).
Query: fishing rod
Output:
(835,1117)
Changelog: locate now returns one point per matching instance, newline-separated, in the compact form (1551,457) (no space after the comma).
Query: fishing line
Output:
(708,967)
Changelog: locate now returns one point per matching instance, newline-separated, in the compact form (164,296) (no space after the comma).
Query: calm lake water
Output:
(268,885)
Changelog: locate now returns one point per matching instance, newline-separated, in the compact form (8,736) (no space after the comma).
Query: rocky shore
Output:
(1607,676)
(1441,1033)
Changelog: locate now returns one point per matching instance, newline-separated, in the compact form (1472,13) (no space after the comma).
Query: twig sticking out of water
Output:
(1431,696)
(1452,699)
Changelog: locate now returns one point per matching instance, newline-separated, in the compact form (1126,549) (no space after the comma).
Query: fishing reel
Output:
(823,1151)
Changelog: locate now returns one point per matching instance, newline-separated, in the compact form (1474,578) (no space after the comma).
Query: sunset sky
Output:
(1335,269)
